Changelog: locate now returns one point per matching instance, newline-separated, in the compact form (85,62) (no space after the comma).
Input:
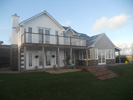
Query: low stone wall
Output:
(110,61)
(80,62)
(90,62)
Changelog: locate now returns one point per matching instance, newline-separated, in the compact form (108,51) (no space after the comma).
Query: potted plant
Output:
(68,61)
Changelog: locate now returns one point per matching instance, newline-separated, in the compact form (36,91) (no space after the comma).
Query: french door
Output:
(48,58)
(101,57)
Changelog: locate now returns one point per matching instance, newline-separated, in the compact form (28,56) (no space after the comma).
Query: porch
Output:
(47,56)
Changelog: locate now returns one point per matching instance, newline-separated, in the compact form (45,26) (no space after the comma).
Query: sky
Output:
(113,17)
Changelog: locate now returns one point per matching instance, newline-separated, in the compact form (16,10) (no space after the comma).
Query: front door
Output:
(101,57)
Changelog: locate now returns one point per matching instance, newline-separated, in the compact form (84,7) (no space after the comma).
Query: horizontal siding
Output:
(104,43)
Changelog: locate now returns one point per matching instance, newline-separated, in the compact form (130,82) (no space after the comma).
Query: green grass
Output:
(67,86)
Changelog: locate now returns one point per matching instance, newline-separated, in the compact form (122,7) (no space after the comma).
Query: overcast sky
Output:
(114,17)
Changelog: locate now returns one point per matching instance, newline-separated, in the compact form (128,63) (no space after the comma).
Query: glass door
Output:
(101,57)
(48,58)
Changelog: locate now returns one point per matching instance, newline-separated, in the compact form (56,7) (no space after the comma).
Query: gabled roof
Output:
(44,12)
(82,35)
(66,28)
(93,39)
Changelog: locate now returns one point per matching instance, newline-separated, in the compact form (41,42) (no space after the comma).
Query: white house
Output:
(44,43)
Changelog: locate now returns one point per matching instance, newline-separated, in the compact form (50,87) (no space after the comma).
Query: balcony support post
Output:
(43,57)
(71,56)
(58,56)
(42,38)
(86,56)
(70,41)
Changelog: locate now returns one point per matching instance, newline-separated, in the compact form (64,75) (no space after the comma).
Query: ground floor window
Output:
(40,58)
(89,54)
(30,58)
(82,55)
(109,54)
(96,53)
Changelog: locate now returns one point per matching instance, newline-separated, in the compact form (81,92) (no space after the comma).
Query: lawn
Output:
(67,86)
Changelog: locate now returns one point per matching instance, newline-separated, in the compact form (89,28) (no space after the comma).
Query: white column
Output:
(71,56)
(43,57)
(58,52)
(87,56)
(25,58)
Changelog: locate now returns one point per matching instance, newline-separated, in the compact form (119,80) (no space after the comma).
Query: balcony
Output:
(36,38)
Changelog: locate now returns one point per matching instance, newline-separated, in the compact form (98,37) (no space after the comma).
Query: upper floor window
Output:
(47,35)
(56,32)
(30,34)
(40,35)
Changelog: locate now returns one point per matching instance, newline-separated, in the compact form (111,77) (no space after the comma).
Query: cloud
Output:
(66,23)
(126,47)
(109,24)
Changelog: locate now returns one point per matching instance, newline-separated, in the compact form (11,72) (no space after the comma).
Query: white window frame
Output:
(30,59)
(30,35)
(96,54)
(40,35)
(40,58)
(109,54)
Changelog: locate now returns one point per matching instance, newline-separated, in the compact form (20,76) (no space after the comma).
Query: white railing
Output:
(51,39)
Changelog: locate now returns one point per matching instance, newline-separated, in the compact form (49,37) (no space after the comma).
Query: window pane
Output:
(40,58)
(40,35)
(47,35)
(30,35)
(89,54)
(30,58)
(96,53)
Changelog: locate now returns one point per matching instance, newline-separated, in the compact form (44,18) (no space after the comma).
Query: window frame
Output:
(109,54)
(96,54)
(30,35)
(30,58)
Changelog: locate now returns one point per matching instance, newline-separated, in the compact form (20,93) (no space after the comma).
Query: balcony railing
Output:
(52,39)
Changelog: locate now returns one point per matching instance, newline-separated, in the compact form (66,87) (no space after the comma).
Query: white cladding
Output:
(15,22)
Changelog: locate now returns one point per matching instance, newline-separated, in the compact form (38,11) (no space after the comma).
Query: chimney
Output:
(15,22)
